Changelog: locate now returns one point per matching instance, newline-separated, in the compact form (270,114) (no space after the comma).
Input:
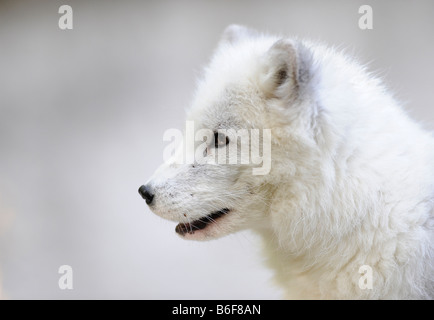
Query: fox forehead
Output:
(236,106)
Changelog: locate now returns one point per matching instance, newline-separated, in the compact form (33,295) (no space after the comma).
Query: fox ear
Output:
(285,69)
(235,33)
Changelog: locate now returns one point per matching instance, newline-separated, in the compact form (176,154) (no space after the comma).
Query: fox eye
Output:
(220,140)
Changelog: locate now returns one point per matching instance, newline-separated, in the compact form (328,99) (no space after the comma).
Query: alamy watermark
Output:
(65,21)
(220,146)
(365,281)
(366,21)
(66,280)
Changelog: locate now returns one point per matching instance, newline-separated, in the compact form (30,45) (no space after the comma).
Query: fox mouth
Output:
(189,228)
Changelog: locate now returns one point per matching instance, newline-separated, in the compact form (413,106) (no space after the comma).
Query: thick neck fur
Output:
(343,201)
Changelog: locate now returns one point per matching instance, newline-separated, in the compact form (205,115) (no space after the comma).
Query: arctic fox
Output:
(346,210)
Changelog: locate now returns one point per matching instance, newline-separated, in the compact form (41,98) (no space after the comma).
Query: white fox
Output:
(351,181)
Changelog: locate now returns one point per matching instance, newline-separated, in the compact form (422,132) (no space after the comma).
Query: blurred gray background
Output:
(82,116)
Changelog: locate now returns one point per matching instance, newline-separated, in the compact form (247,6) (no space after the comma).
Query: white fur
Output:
(351,181)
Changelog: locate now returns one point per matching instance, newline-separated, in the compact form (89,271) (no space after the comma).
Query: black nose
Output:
(146,194)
